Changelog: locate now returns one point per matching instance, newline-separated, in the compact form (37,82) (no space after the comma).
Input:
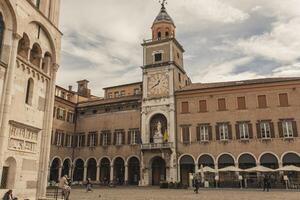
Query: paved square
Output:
(152,193)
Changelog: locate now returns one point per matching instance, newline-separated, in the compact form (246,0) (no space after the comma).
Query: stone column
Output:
(46,135)
(217,175)
(85,173)
(126,174)
(111,173)
(7,98)
(59,172)
(98,173)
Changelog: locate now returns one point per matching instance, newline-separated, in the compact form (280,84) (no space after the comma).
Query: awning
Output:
(289,168)
(206,169)
(230,169)
(259,169)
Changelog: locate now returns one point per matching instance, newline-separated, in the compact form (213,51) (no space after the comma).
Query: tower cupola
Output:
(163,25)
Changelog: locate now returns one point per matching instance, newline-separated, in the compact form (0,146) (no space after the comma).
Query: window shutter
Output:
(280,129)
(56,138)
(198,133)
(83,141)
(96,139)
(185,107)
(272,130)
(217,132)
(258,132)
(241,103)
(202,106)
(115,138)
(237,131)
(222,104)
(57,113)
(123,137)
(250,130)
(139,138)
(109,138)
(88,140)
(262,101)
(295,131)
(101,139)
(210,133)
(229,132)
(129,137)
(54,112)
(283,100)
(185,136)
(62,139)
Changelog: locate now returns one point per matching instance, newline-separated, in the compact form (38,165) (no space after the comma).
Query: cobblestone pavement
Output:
(152,193)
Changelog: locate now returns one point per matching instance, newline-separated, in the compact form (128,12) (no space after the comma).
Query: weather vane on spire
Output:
(163,2)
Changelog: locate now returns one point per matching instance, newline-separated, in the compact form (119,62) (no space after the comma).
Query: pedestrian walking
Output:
(89,185)
(64,184)
(267,183)
(196,184)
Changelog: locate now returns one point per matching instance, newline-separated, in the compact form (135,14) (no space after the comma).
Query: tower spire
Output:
(162,3)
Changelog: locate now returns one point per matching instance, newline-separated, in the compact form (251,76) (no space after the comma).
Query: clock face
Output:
(158,84)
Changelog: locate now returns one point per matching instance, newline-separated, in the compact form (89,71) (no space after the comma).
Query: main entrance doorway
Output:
(158,170)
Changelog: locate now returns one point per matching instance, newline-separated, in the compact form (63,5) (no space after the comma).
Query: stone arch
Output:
(91,164)
(246,160)
(2,28)
(187,166)
(290,158)
(269,159)
(36,55)
(206,160)
(78,170)
(133,163)
(119,170)
(24,46)
(158,170)
(54,169)
(8,15)
(66,167)
(132,156)
(104,164)
(225,160)
(9,173)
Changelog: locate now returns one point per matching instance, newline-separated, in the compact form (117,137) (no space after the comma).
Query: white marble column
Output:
(5,106)
(126,174)
(111,173)
(85,173)
(59,172)
(98,173)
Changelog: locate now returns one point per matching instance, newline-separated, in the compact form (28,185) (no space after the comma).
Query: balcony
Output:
(155,146)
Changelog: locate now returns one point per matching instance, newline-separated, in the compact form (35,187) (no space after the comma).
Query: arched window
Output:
(24,46)
(46,62)
(37,4)
(167,34)
(2,27)
(159,35)
(36,55)
(29,92)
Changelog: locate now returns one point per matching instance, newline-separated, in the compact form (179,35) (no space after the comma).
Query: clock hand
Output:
(156,84)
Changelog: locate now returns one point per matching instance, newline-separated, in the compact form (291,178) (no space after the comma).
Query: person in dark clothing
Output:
(196,184)
(9,196)
(267,183)
(89,185)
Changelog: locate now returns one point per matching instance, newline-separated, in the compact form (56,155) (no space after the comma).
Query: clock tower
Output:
(163,74)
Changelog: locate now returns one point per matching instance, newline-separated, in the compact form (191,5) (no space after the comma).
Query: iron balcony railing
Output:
(167,145)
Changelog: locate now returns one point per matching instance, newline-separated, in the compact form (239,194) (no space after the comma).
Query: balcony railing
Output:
(151,146)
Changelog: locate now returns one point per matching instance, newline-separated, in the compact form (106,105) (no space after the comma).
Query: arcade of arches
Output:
(122,171)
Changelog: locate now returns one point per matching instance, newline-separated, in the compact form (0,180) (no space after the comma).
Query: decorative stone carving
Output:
(23,137)
(158,136)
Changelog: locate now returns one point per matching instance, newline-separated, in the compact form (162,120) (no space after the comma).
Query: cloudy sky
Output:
(224,39)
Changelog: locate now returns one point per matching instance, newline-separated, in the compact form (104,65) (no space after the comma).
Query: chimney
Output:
(70,88)
(83,89)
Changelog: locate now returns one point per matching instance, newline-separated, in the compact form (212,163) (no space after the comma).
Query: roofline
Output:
(60,87)
(228,86)
(126,84)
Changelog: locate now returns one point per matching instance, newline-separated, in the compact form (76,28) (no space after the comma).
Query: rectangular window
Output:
(202,106)
(70,117)
(92,139)
(222,104)
(241,102)
(265,130)
(244,130)
(110,95)
(122,93)
(105,138)
(185,107)
(158,57)
(81,141)
(133,137)
(68,142)
(223,131)
(204,133)
(136,91)
(179,77)
(118,138)
(59,137)
(117,94)
(283,100)
(185,134)
(262,101)
(287,129)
